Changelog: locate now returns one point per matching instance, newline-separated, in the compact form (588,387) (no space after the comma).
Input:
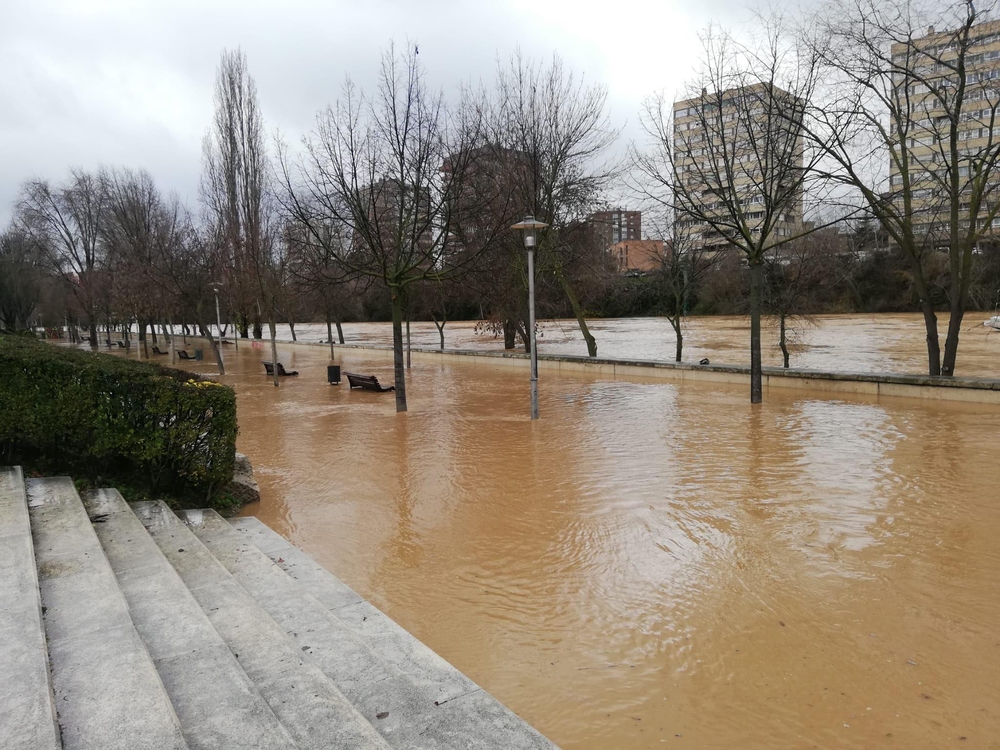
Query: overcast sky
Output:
(126,82)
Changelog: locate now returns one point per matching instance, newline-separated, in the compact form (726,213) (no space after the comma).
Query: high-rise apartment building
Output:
(732,149)
(617,225)
(926,68)
(396,212)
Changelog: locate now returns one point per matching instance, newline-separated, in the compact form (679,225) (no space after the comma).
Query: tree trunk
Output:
(258,330)
(756,288)
(173,345)
(340,331)
(397,349)
(951,340)
(206,331)
(509,334)
(930,317)
(962,269)
(782,338)
(407,340)
(933,343)
(578,312)
(274,350)
(152,330)
(440,327)
(143,346)
(522,331)
(93,332)
(291,327)
(329,335)
(679,336)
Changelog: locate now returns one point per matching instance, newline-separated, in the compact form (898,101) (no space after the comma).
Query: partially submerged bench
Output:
(367,383)
(156,350)
(282,372)
(183,354)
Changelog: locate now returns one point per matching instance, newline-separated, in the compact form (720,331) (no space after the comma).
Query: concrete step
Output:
(376,663)
(217,704)
(307,703)
(108,693)
(375,687)
(27,706)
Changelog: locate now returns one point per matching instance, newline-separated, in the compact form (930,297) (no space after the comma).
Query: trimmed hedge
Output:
(115,416)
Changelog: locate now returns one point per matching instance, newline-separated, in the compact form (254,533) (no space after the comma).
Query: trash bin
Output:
(333,374)
(199,354)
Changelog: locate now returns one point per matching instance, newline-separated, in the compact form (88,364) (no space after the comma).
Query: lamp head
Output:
(529,226)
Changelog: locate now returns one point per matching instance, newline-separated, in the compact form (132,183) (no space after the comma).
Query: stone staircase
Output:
(133,627)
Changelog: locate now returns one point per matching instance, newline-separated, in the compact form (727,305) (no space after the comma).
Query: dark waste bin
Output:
(333,374)
(199,354)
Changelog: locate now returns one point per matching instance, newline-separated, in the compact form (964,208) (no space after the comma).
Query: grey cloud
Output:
(122,82)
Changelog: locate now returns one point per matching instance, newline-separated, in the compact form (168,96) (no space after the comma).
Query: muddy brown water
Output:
(844,343)
(656,564)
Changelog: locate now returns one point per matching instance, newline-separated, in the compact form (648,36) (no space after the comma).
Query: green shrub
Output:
(116,417)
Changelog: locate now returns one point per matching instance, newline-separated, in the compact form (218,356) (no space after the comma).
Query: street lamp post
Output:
(528,227)
(218,316)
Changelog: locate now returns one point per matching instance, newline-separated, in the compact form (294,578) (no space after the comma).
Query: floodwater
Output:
(842,343)
(656,564)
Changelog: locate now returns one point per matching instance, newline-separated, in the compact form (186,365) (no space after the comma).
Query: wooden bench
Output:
(121,344)
(367,383)
(181,354)
(282,373)
(156,350)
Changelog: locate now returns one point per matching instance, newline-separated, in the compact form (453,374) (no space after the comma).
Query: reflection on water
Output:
(842,343)
(655,564)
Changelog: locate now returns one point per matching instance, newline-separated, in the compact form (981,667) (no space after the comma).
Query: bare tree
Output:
(371,189)
(316,270)
(65,223)
(133,217)
(793,273)
(554,130)
(21,278)
(908,121)
(184,261)
(234,187)
(730,158)
(684,262)
(270,267)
